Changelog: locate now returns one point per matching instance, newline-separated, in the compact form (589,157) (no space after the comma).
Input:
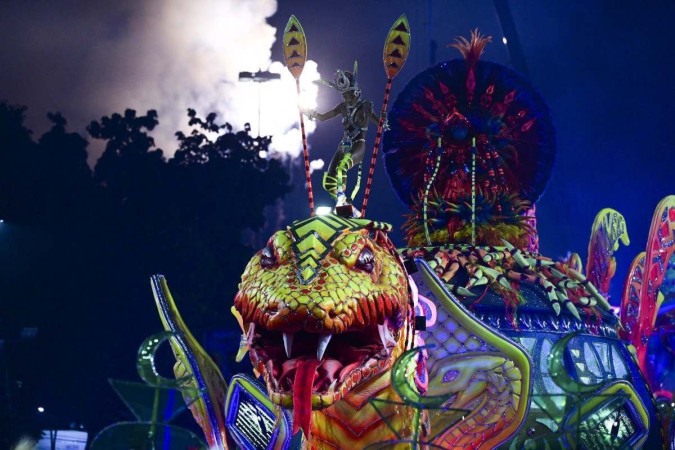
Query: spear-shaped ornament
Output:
(396,49)
(295,55)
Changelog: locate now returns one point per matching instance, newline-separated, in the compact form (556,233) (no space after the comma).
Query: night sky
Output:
(603,67)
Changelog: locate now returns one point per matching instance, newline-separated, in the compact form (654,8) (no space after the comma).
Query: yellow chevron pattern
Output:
(313,240)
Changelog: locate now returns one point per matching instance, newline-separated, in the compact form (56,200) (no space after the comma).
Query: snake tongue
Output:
(302,394)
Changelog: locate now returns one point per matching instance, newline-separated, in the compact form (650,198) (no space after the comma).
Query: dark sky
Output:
(604,68)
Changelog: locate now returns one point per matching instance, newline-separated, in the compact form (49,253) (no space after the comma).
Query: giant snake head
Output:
(325,307)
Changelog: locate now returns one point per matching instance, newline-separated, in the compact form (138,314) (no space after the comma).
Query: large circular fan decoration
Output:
(469,138)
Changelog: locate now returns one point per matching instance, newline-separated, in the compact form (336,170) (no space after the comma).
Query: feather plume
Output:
(471,50)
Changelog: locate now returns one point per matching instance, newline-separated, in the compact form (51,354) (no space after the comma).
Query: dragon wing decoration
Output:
(641,301)
(609,228)
(193,363)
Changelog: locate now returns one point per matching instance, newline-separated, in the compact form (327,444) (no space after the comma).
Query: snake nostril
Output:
(332,313)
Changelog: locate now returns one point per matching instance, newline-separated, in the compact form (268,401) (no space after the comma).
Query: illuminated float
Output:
(469,337)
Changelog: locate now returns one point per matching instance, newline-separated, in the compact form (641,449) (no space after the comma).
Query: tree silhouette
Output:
(64,178)
(47,192)
(85,243)
(17,150)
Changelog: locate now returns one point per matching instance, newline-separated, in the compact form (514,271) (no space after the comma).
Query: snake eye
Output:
(267,258)
(366,261)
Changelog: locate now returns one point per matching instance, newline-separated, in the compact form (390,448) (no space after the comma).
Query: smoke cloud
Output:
(92,60)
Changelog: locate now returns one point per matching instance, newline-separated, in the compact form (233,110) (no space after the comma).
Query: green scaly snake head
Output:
(327,300)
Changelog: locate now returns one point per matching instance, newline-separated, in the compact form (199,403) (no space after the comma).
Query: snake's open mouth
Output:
(308,371)
(340,361)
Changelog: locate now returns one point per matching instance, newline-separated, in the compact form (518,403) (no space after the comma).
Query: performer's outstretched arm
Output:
(313,114)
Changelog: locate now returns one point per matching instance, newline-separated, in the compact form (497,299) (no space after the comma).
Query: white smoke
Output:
(279,102)
(189,54)
(316,164)
(169,56)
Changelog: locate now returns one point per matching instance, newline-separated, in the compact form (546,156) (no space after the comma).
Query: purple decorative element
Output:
(450,376)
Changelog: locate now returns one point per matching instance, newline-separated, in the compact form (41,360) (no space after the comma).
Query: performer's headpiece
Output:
(345,81)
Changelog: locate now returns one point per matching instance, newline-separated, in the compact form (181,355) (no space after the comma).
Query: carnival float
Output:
(467,337)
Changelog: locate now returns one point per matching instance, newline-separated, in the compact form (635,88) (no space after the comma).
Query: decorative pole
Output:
(473,191)
(430,183)
(396,49)
(295,55)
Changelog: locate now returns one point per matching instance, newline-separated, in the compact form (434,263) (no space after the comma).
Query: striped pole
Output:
(396,49)
(295,55)
(305,154)
(376,147)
